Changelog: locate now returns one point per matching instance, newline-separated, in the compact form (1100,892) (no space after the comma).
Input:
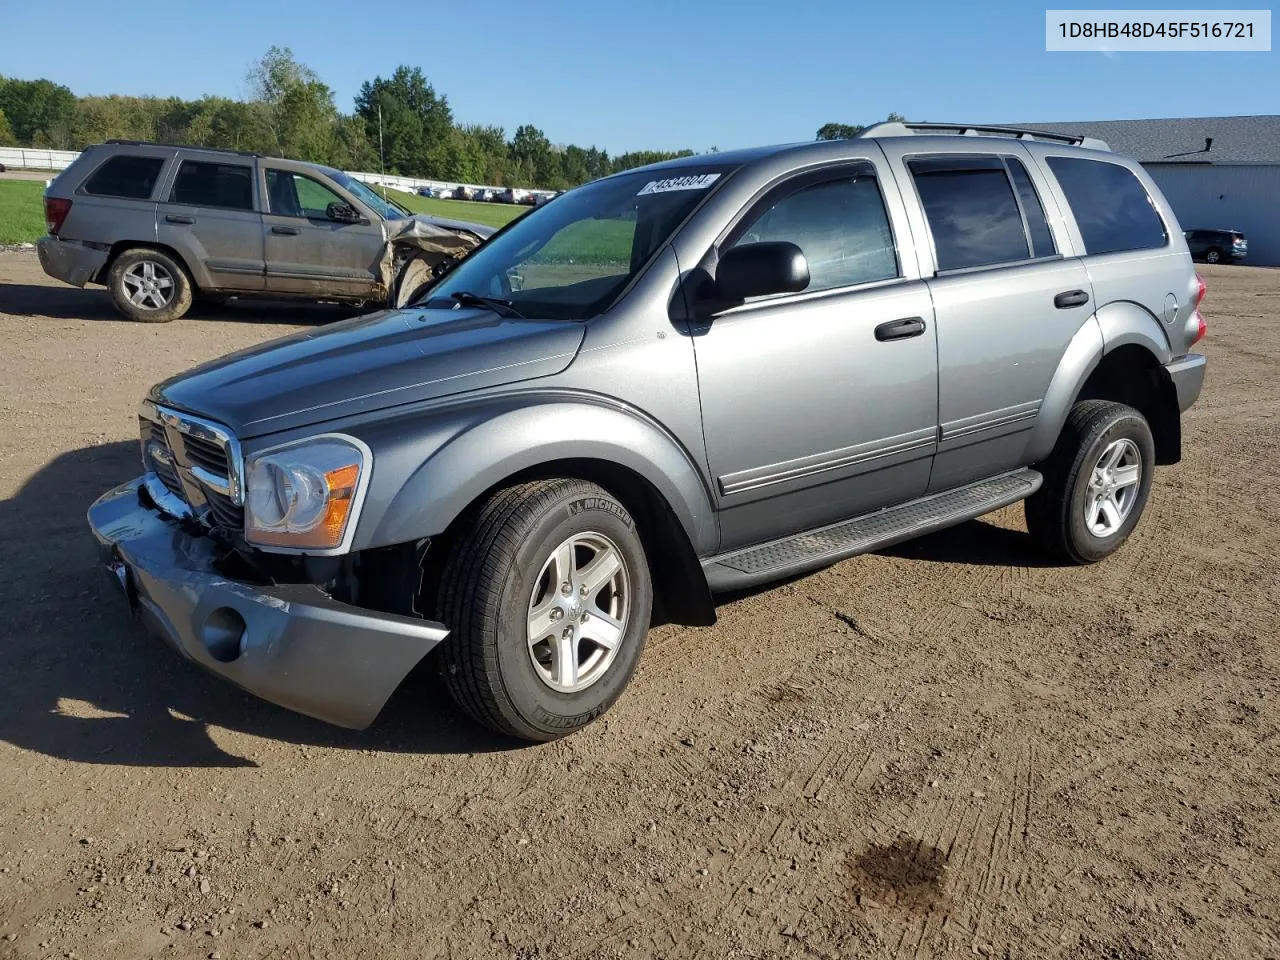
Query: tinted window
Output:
(1042,244)
(841,227)
(125,176)
(214,185)
(1110,205)
(295,195)
(971,211)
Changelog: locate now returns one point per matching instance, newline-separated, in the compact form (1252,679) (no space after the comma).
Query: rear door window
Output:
(1110,205)
(201,184)
(126,176)
(972,211)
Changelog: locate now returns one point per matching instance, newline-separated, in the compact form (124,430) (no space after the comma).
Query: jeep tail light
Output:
(1201,289)
(1201,329)
(55,212)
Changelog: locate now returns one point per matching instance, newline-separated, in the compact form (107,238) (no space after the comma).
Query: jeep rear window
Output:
(1110,205)
(570,258)
(228,185)
(972,211)
(125,176)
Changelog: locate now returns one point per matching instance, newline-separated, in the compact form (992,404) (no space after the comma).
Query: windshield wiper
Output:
(496,304)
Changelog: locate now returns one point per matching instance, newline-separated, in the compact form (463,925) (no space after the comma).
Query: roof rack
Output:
(897,129)
(182,146)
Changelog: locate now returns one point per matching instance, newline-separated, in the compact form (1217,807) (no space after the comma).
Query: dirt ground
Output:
(946,748)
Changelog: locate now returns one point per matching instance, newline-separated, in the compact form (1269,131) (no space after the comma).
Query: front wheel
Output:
(547,595)
(1096,482)
(1213,256)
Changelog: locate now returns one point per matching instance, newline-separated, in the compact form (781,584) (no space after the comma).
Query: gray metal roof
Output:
(1184,139)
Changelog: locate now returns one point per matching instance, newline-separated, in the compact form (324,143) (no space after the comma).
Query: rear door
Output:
(1008,292)
(210,215)
(307,251)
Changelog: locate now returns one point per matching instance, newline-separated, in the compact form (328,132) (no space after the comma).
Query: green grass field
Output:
(491,214)
(21,211)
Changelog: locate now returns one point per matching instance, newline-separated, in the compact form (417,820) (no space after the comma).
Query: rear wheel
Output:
(547,595)
(149,286)
(1096,482)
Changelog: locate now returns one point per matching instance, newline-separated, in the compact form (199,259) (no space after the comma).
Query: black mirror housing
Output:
(341,212)
(760,269)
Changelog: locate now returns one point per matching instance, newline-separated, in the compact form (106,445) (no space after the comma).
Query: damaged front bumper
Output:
(290,644)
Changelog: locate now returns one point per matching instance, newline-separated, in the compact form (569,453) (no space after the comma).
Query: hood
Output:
(369,363)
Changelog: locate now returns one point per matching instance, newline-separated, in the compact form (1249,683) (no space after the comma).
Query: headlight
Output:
(305,496)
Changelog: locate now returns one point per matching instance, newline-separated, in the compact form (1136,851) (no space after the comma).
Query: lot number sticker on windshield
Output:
(695,182)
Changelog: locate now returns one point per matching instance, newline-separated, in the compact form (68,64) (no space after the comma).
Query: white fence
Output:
(33,159)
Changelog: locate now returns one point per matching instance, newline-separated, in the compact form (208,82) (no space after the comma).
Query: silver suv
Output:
(672,382)
(163,225)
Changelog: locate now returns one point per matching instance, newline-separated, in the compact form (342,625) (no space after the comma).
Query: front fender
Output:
(429,467)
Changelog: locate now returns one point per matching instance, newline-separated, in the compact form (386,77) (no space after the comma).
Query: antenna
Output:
(382,156)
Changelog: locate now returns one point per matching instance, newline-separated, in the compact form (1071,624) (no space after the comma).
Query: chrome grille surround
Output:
(196,460)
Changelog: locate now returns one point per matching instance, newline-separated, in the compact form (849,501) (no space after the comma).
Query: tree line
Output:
(291,112)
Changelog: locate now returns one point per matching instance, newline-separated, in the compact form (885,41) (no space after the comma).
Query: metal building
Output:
(1218,172)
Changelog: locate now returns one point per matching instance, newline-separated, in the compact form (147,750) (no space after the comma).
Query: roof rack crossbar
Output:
(899,129)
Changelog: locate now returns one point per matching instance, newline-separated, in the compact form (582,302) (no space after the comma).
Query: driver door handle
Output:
(900,329)
(285,231)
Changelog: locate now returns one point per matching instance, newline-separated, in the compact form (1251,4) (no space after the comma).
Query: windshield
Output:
(387,209)
(568,259)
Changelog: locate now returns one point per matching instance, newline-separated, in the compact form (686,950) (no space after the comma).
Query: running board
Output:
(874,531)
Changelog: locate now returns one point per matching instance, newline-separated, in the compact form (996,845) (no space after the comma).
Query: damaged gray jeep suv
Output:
(675,381)
(162,226)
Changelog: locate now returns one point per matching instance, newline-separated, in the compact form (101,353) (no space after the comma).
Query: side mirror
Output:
(341,212)
(759,269)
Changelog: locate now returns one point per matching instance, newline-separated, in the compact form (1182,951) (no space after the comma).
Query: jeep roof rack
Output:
(893,128)
(181,146)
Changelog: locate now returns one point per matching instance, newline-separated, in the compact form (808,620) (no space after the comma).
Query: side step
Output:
(874,531)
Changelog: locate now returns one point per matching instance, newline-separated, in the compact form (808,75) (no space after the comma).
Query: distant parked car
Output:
(1217,246)
(463,193)
(161,226)
(426,192)
(483,194)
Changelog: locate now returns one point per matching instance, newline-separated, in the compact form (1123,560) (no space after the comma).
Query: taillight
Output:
(55,212)
(1201,289)
(1201,329)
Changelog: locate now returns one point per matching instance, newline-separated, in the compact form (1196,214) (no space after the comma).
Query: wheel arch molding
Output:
(430,467)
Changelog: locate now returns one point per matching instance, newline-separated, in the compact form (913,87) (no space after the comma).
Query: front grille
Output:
(174,444)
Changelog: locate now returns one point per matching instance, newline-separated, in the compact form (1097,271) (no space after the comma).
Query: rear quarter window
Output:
(1110,204)
(125,176)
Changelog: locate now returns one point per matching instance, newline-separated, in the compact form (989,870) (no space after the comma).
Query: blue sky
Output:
(660,74)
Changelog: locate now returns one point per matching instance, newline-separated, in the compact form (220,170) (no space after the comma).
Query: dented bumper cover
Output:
(290,644)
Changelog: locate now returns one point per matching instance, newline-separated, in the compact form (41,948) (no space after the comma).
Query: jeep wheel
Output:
(414,275)
(1096,482)
(547,595)
(148,286)
(1213,256)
